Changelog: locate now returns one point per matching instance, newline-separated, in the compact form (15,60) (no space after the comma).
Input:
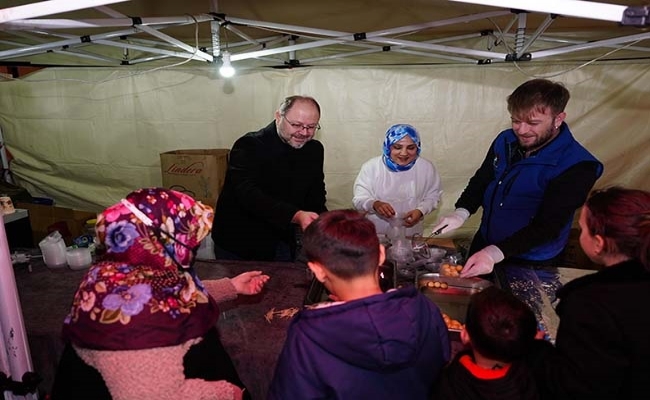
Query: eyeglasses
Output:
(297,126)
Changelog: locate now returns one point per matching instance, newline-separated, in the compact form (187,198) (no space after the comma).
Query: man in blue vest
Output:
(532,180)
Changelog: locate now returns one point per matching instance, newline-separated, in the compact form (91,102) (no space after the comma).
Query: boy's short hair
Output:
(500,326)
(344,242)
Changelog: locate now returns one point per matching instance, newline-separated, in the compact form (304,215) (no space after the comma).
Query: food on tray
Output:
(452,323)
(447,269)
(436,285)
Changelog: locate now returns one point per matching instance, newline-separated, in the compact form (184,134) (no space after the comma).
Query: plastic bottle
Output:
(53,250)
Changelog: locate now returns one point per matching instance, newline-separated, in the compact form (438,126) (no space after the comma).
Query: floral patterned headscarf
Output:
(144,294)
(154,226)
(393,135)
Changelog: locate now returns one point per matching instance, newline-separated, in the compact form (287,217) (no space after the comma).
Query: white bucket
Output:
(79,258)
(53,250)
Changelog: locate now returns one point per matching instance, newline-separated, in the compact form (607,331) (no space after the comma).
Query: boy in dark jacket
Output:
(499,330)
(367,344)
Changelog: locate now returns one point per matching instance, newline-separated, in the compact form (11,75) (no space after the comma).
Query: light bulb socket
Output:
(226,70)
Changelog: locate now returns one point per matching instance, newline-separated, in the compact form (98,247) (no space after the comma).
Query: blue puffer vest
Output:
(513,198)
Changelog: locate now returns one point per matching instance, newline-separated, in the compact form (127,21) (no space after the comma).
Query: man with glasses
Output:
(274,187)
(530,184)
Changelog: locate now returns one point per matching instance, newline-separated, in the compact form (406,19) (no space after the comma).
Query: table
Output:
(253,342)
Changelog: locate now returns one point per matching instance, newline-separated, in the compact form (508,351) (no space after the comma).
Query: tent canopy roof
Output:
(283,33)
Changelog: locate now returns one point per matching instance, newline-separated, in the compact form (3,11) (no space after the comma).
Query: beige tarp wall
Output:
(87,136)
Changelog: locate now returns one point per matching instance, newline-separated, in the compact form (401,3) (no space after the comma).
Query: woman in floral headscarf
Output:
(398,184)
(141,317)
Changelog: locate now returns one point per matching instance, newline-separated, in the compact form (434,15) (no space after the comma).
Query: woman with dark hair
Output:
(603,340)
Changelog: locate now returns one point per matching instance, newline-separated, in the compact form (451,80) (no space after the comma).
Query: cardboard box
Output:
(200,173)
(45,219)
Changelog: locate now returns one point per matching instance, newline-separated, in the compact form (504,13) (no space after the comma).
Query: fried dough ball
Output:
(447,269)
(436,285)
(452,323)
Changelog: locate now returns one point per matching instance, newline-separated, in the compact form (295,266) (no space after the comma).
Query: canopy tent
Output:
(128,88)
(132,79)
(287,33)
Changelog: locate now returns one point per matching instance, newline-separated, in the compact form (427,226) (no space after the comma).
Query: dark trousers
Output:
(283,253)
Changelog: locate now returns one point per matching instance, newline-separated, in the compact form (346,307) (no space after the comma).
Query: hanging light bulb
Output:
(226,70)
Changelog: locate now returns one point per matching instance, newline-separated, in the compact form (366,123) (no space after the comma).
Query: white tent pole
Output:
(242,35)
(573,41)
(342,55)
(96,39)
(285,49)
(590,45)
(195,51)
(573,8)
(69,51)
(326,32)
(520,36)
(292,53)
(398,42)
(540,29)
(514,19)
(103,22)
(434,55)
(14,337)
(149,49)
(41,48)
(153,32)
(398,49)
(215,31)
(341,37)
(48,8)
(436,47)
(147,59)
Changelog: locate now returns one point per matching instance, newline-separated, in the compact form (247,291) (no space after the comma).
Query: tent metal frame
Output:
(285,41)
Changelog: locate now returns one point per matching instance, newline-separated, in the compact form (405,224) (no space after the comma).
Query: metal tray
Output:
(454,299)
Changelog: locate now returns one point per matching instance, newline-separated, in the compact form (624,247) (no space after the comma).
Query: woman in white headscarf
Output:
(398,184)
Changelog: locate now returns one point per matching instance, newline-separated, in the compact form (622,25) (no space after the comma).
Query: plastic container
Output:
(401,251)
(53,250)
(396,229)
(79,258)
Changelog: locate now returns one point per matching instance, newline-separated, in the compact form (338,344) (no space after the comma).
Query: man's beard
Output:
(283,137)
(541,141)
